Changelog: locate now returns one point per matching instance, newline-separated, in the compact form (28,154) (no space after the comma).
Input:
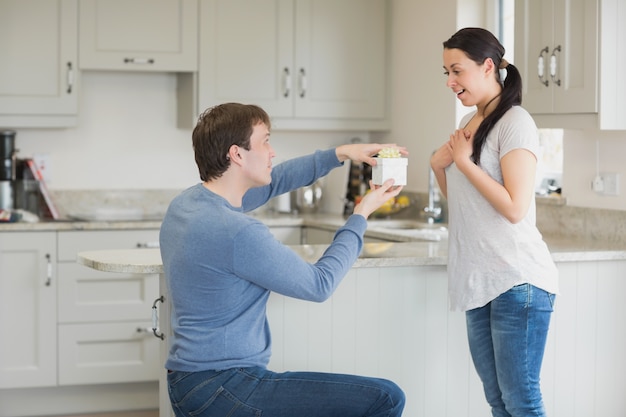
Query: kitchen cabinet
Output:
(38,74)
(311,64)
(556,51)
(583,43)
(28,285)
(139,35)
(104,319)
(613,60)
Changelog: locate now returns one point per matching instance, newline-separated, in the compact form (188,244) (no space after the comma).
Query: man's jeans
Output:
(244,392)
(507,338)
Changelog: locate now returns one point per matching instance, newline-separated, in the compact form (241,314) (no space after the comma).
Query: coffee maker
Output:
(8,166)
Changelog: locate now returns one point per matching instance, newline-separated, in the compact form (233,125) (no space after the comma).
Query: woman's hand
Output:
(461,143)
(378,196)
(365,152)
(442,157)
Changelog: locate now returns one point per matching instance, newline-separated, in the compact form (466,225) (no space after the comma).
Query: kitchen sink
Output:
(404,225)
(415,230)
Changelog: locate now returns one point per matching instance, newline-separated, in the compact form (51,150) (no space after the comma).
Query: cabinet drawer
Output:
(108,353)
(72,242)
(86,295)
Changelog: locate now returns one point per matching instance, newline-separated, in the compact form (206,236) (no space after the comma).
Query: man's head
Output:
(219,129)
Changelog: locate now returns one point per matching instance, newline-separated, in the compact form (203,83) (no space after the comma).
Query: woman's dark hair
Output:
(218,129)
(480,44)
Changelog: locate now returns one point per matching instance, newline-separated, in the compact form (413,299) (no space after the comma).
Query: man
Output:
(221,265)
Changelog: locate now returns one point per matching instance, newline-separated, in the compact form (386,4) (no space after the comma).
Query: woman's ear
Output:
(489,66)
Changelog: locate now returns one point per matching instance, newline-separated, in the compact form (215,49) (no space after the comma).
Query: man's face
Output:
(258,160)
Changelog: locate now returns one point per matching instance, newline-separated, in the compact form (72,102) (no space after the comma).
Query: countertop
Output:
(406,251)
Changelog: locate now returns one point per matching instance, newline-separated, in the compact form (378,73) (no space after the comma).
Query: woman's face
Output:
(468,80)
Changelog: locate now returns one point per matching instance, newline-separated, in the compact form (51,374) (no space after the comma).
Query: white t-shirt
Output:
(488,254)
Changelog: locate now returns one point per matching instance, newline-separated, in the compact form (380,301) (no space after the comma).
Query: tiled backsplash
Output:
(574,222)
(153,203)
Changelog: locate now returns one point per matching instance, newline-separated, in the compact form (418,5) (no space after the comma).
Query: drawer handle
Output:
(140,61)
(48,270)
(148,245)
(155,319)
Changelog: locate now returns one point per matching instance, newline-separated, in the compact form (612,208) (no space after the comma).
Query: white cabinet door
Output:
(28,285)
(309,64)
(72,242)
(246,54)
(112,352)
(556,51)
(38,74)
(90,296)
(613,61)
(104,318)
(139,35)
(340,58)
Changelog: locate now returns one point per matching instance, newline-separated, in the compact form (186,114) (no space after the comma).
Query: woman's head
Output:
(484,51)
(478,44)
(218,129)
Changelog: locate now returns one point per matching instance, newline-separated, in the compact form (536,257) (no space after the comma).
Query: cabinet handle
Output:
(140,61)
(286,82)
(155,318)
(541,66)
(70,78)
(302,83)
(48,270)
(553,65)
(148,245)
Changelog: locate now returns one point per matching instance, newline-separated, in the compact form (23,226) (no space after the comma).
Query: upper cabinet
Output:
(556,50)
(311,64)
(613,54)
(139,35)
(570,54)
(38,74)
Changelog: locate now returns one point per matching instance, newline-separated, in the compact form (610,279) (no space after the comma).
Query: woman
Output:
(500,270)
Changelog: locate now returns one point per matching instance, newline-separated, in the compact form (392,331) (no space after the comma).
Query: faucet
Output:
(433,210)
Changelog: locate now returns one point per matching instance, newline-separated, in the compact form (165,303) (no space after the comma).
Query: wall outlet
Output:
(597,184)
(606,183)
(611,183)
(43,163)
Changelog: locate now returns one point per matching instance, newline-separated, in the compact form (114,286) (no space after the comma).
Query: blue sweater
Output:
(221,265)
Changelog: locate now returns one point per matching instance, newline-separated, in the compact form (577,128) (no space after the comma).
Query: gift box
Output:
(386,168)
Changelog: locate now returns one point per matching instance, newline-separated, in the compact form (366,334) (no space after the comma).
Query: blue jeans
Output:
(256,391)
(507,338)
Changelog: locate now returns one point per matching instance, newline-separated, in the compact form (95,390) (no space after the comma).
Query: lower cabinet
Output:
(104,319)
(64,324)
(28,320)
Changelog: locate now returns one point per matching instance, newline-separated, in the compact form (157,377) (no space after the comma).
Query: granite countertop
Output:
(392,254)
(407,250)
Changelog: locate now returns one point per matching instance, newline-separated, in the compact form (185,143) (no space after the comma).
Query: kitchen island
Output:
(390,318)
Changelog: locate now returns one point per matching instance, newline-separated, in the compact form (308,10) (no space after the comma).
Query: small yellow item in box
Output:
(389,164)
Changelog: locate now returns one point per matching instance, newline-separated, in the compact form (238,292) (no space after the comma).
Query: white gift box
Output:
(386,168)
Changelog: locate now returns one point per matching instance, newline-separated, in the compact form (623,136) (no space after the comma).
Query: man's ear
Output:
(234,154)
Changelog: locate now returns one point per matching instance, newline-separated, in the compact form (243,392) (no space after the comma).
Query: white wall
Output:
(422,108)
(579,167)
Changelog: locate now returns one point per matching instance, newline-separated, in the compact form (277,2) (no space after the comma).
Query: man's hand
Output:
(378,196)
(365,152)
